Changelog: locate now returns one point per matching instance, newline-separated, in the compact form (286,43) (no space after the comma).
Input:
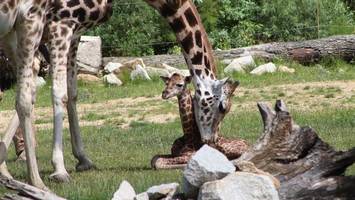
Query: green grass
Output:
(124,154)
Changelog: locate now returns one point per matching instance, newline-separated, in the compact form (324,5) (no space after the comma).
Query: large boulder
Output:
(240,64)
(111,79)
(207,165)
(89,57)
(142,196)
(154,71)
(139,73)
(112,67)
(266,68)
(163,191)
(241,186)
(40,82)
(124,192)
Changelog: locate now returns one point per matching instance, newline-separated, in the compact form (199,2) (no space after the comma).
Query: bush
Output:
(135,29)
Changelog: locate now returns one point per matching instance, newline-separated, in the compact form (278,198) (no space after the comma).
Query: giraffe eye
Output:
(179,85)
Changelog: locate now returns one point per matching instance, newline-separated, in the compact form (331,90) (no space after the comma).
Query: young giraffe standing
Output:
(67,20)
(184,147)
(21,27)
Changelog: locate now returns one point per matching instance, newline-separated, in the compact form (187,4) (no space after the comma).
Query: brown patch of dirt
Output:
(122,112)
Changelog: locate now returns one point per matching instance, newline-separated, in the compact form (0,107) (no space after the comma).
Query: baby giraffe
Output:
(184,147)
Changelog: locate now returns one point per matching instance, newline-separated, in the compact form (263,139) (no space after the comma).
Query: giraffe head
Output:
(212,102)
(175,85)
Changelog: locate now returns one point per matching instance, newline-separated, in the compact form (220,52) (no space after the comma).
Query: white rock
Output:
(245,61)
(286,69)
(189,190)
(227,61)
(241,186)
(207,165)
(112,67)
(89,57)
(40,82)
(153,71)
(162,191)
(172,70)
(234,67)
(142,196)
(112,79)
(124,192)
(239,64)
(266,68)
(139,73)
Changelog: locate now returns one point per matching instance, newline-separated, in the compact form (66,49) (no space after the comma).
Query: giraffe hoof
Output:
(60,177)
(84,165)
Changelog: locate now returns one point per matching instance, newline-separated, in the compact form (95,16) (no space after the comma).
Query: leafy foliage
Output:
(136,29)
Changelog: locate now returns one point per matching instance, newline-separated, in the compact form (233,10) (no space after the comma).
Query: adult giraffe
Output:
(67,20)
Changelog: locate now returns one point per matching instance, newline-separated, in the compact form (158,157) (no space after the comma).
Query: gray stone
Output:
(162,191)
(189,190)
(89,57)
(234,67)
(139,73)
(154,71)
(240,64)
(266,68)
(112,67)
(40,82)
(207,165)
(241,186)
(124,192)
(142,196)
(112,79)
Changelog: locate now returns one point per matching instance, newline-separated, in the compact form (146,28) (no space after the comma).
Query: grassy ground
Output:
(124,153)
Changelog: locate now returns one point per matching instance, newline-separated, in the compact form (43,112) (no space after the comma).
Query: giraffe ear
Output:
(188,79)
(165,79)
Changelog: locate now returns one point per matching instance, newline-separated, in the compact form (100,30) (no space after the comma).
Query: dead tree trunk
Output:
(307,167)
(25,191)
(305,52)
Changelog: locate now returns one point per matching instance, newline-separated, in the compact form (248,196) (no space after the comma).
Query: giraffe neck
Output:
(185,21)
(187,115)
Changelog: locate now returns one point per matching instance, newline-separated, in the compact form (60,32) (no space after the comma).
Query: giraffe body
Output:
(184,147)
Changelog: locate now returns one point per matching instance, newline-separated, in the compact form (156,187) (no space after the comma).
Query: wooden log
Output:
(305,52)
(25,191)
(307,167)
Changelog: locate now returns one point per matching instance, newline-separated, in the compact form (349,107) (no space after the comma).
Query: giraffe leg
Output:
(10,46)
(60,36)
(76,141)
(170,162)
(29,30)
(231,148)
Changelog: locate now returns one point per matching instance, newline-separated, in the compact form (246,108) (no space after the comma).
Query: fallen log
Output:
(307,167)
(25,191)
(306,52)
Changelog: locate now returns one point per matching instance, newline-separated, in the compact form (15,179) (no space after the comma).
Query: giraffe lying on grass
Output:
(184,147)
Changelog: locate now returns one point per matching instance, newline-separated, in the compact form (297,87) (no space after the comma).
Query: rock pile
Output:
(242,64)
(210,175)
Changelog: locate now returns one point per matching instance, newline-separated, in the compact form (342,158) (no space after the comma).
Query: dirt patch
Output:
(122,112)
